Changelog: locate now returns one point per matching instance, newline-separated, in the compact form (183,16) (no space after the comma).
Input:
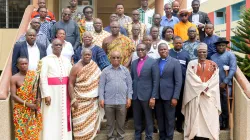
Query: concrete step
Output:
(129,129)
(129,135)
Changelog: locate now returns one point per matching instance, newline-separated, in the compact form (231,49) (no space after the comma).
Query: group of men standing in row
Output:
(112,71)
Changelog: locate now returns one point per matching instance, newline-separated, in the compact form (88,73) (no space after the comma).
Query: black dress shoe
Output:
(155,130)
(180,130)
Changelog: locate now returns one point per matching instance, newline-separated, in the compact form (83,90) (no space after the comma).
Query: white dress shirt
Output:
(34,56)
(195,18)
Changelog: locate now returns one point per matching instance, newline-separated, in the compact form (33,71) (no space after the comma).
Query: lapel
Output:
(135,68)
(25,47)
(40,51)
(166,65)
(145,63)
(200,16)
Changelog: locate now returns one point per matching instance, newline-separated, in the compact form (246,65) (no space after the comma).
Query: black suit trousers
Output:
(165,114)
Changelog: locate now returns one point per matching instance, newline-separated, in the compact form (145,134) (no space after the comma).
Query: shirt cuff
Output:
(129,96)
(101,98)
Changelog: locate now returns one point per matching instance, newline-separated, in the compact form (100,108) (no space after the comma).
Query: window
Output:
(220,16)
(237,9)
(11,12)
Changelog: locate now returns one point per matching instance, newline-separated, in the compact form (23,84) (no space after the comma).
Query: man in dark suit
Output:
(169,92)
(145,76)
(199,18)
(29,49)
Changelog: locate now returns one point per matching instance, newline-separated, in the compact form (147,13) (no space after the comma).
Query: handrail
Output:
(6,74)
(243,82)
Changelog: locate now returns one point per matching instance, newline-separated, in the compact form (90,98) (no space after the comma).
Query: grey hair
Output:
(162,44)
(84,50)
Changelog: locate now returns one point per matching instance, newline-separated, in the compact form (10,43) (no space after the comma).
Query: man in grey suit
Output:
(169,92)
(145,76)
(199,18)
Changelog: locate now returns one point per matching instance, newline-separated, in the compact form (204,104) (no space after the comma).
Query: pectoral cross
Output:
(60,78)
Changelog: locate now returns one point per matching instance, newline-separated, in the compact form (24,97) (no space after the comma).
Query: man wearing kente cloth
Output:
(26,112)
(56,102)
(83,88)
(118,42)
(201,99)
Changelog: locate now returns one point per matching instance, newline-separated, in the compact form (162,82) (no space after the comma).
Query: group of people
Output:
(171,68)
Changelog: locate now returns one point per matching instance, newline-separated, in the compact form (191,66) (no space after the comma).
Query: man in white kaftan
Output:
(56,102)
(201,99)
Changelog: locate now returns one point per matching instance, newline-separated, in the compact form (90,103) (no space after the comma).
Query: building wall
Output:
(241,114)
(7,37)
(213,5)
(228,22)
(107,7)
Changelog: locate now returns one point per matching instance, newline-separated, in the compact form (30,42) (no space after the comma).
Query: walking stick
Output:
(229,105)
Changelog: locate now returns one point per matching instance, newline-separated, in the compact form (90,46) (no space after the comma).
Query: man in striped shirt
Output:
(146,14)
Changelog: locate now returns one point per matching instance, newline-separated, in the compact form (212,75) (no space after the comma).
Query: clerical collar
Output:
(164,59)
(144,58)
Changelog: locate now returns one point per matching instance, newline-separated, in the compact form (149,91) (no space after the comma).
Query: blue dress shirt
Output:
(228,59)
(166,22)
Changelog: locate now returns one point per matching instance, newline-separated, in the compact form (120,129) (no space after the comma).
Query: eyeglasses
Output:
(58,44)
(116,57)
(140,50)
(66,14)
(184,15)
(88,12)
(136,14)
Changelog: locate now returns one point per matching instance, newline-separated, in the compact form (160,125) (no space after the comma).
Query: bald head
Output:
(29,31)
(115,28)
(98,25)
(86,50)
(115,58)
(56,41)
(147,40)
(87,34)
(113,17)
(175,6)
(31,36)
(35,24)
(57,47)
(115,53)
(87,39)
(66,14)
(86,55)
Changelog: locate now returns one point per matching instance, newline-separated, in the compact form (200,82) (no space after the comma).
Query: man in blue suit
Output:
(169,92)
(145,76)
(29,49)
